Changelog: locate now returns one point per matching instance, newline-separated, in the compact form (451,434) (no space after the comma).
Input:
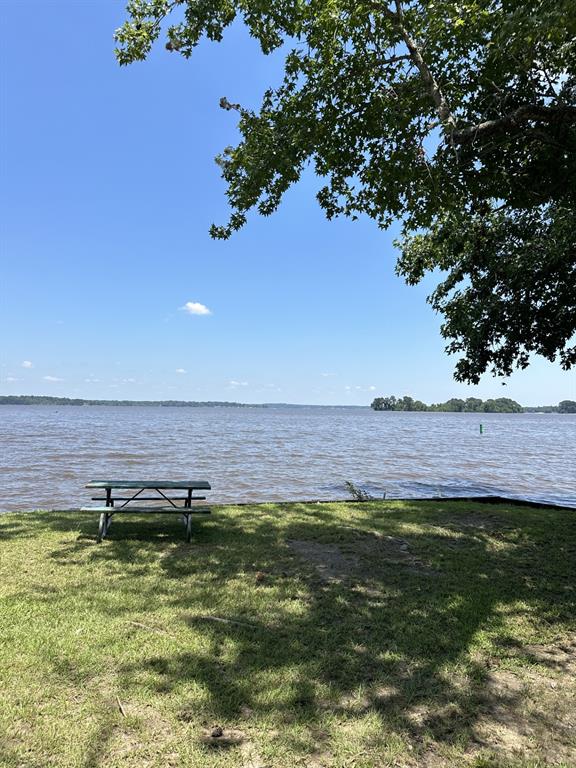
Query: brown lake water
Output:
(48,453)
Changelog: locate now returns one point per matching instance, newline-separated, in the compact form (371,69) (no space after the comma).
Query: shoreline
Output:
(496,499)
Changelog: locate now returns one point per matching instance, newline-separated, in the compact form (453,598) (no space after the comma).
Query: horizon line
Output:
(239,403)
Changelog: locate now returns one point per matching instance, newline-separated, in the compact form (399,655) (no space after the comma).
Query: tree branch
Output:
(394,59)
(512,121)
(429,80)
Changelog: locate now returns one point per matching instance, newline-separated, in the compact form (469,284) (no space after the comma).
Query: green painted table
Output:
(154,491)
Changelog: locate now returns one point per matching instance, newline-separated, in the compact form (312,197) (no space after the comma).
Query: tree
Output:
(455,404)
(384,403)
(502,405)
(459,119)
(567,406)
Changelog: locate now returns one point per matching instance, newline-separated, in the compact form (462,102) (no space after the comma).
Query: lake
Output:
(48,453)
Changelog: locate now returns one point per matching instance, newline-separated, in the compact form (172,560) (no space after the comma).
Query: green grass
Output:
(350,635)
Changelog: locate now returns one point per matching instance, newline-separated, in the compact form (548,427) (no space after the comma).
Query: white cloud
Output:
(128,381)
(51,378)
(195,308)
(358,388)
(12,378)
(27,364)
(326,375)
(91,381)
(234,383)
(180,370)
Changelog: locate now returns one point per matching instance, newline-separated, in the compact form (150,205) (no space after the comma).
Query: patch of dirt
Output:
(328,559)
(230,738)
(392,550)
(226,738)
(530,713)
(501,725)
(123,744)
(156,726)
(561,658)
(333,562)
(250,756)
(484,522)
(526,713)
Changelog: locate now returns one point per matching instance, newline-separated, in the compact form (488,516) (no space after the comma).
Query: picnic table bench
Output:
(154,491)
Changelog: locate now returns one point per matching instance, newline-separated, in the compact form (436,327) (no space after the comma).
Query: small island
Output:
(470,405)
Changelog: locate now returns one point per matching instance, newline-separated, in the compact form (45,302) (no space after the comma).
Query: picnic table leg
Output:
(105,517)
(188,517)
(102,527)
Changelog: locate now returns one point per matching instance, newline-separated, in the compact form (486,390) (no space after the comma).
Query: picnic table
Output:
(154,491)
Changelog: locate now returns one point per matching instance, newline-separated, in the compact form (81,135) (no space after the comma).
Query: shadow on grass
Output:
(383,635)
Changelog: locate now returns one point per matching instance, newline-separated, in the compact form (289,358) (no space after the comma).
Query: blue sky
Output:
(108,188)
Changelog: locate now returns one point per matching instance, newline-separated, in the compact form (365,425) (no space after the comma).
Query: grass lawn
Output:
(341,635)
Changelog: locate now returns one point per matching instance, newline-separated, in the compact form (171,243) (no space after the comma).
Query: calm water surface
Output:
(48,453)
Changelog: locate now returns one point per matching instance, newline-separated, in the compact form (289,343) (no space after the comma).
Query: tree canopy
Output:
(454,405)
(459,119)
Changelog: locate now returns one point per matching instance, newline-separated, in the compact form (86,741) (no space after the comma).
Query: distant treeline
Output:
(406,403)
(470,405)
(47,400)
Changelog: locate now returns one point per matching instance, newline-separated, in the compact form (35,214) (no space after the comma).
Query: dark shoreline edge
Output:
(469,499)
(435,499)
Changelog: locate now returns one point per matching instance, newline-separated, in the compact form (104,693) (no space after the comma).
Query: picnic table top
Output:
(135,484)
